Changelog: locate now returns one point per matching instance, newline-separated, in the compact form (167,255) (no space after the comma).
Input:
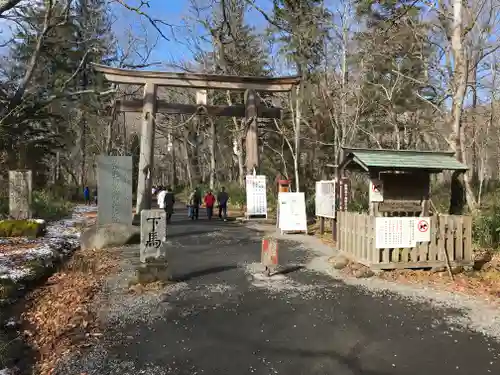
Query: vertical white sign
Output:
(256,195)
(376,190)
(325,199)
(292,212)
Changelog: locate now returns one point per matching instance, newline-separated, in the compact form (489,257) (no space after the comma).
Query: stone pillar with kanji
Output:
(153,234)
(153,255)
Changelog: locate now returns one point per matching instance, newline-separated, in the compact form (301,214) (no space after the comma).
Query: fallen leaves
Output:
(58,316)
(484,284)
(17,245)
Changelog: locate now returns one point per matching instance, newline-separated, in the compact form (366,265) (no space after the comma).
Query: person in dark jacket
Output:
(194,204)
(168,203)
(222,198)
(86,195)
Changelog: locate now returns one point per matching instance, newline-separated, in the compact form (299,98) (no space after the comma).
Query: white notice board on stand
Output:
(292,212)
(256,195)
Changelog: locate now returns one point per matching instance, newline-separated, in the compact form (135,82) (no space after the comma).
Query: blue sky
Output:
(177,13)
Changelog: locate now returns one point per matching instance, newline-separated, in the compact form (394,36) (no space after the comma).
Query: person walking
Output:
(194,204)
(222,199)
(209,204)
(95,196)
(160,197)
(168,203)
(86,195)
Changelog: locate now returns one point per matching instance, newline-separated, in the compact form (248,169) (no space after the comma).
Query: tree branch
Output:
(153,21)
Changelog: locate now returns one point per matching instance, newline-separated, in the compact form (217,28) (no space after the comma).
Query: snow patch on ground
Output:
(61,239)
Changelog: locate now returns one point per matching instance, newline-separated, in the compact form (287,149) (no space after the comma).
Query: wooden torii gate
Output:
(149,106)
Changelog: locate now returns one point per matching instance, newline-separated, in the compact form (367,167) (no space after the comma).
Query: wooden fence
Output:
(449,234)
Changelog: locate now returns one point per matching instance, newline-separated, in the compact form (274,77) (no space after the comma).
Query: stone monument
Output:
(20,184)
(153,234)
(114,190)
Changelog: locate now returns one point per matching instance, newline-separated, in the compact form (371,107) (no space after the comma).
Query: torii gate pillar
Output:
(252,136)
(146,156)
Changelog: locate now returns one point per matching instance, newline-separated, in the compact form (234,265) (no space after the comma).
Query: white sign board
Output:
(401,232)
(394,232)
(256,195)
(292,212)
(376,190)
(325,199)
(422,229)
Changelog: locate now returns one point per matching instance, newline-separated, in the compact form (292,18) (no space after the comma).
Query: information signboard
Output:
(292,212)
(401,232)
(325,199)
(256,195)
(394,232)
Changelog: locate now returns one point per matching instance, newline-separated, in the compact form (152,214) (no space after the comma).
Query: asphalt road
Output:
(222,317)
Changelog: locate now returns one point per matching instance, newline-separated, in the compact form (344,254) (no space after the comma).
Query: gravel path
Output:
(225,317)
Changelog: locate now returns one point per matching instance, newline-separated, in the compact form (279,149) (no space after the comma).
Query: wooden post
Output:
(252,136)
(145,176)
(338,174)
(426,197)
(296,101)
(374,205)
(321,225)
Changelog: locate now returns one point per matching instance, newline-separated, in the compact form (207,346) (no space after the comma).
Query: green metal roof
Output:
(403,159)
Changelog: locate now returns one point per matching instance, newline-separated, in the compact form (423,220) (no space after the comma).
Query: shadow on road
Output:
(288,269)
(203,272)
(215,221)
(351,359)
(189,233)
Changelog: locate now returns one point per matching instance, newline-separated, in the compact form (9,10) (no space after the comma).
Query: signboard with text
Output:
(325,199)
(292,212)
(256,195)
(344,193)
(153,234)
(401,232)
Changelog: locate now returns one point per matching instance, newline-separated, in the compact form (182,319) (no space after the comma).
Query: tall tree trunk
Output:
(83,149)
(212,153)
(173,177)
(241,160)
(461,191)
(109,131)
(189,166)
(297,102)
(474,144)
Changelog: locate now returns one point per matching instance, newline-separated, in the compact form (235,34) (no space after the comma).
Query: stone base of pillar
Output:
(154,270)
